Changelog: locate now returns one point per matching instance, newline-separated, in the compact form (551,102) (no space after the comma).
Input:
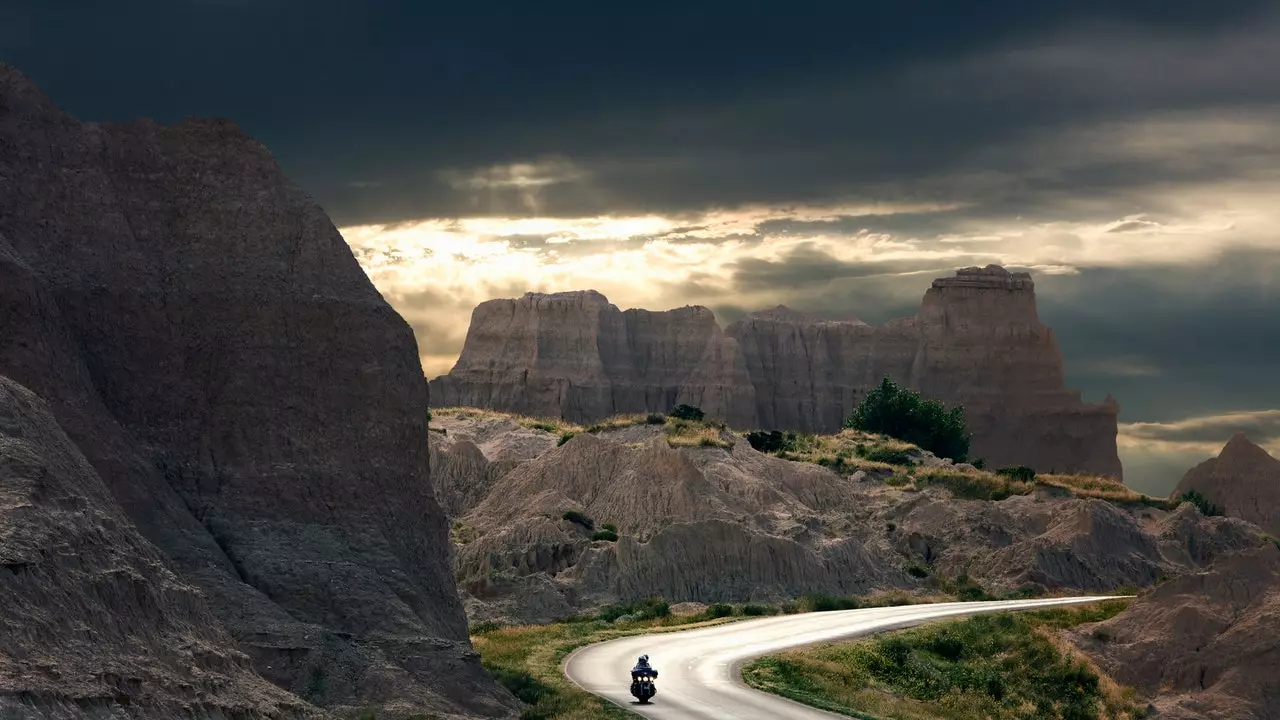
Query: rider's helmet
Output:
(644,659)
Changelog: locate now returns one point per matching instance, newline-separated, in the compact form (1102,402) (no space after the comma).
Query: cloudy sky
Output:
(832,157)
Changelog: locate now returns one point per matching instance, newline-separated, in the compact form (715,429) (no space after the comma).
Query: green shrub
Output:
(829,603)
(719,610)
(608,532)
(753,610)
(980,464)
(886,455)
(1021,472)
(687,412)
(655,419)
(903,414)
(772,441)
(543,426)
(647,609)
(565,437)
(577,516)
(1207,508)
(485,626)
(917,571)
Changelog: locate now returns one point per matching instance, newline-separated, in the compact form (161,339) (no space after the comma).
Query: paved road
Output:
(699,669)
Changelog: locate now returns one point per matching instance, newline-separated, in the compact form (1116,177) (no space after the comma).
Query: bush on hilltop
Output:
(903,414)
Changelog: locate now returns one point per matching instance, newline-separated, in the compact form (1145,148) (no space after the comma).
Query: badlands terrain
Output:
(222,494)
(976,341)
(703,517)
(214,492)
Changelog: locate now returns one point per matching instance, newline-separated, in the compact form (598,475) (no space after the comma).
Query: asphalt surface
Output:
(699,670)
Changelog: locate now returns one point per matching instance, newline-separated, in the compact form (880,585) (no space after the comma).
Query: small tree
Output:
(687,412)
(903,414)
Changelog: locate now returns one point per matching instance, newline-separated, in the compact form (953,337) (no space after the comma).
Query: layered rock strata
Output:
(976,341)
(208,342)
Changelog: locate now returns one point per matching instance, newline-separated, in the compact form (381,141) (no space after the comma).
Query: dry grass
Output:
(850,451)
(551,425)
(688,433)
(1100,487)
(971,484)
(623,421)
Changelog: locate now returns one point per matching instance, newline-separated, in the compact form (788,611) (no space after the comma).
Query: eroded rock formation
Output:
(711,524)
(208,342)
(976,341)
(1243,481)
(1205,645)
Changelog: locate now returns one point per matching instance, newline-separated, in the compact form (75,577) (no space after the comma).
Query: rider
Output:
(643,668)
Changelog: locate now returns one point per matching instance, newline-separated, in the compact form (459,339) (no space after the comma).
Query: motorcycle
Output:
(643,689)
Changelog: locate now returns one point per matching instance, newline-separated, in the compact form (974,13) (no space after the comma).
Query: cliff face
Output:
(1243,480)
(976,341)
(575,355)
(206,339)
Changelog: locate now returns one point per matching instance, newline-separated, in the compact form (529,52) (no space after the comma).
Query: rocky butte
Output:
(1243,481)
(977,341)
(214,484)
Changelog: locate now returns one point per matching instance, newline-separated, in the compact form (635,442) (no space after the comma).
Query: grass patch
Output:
(973,485)
(694,433)
(550,425)
(1101,487)
(1003,667)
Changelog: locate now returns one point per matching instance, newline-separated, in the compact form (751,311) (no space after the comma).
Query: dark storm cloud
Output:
(1205,338)
(673,105)
(807,266)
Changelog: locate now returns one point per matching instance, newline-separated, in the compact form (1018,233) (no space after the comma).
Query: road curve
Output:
(699,669)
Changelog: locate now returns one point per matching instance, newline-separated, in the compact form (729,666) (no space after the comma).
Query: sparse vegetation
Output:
(565,437)
(1208,509)
(1003,666)
(579,518)
(461,533)
(1021,473)
(892,456)
(692,433)
(904,414)
(773,441)
(607,531)
(655,419)
(687,412)
(552,425)
(973,486)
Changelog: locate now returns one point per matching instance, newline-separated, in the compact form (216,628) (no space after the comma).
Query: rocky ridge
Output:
(1243,481)
(1206,645)
(710,519)
(207,342)
(976,340)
